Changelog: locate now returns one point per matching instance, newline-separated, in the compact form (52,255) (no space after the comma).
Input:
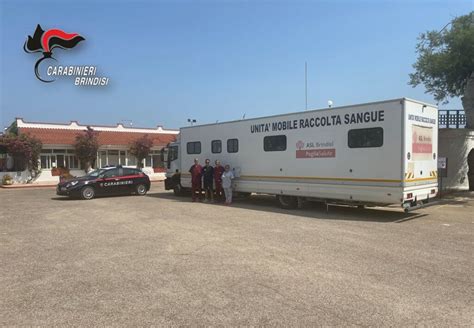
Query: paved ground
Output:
(161,260)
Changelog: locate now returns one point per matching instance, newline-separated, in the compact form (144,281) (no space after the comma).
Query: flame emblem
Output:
(45,42)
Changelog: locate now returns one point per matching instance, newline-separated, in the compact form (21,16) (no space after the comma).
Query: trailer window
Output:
(365,138)
(193,147)
(232,145)
(216,146)
(274,143)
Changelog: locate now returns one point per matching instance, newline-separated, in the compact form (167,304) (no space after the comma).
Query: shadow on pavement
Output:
(456,198)
(313,210)
(66,198)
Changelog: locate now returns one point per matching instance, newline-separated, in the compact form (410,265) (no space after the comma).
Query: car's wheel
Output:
(87,193)
(287,202)
(141,189)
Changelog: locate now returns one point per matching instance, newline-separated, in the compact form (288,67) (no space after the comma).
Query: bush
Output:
(86,147)
(140,148)
(24,149)
(7,179)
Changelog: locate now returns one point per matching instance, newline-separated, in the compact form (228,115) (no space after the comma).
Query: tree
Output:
(140,148)
(445,64)
(86,146)
(25,151)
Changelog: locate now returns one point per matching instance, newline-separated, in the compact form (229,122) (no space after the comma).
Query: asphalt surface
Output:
(164,261)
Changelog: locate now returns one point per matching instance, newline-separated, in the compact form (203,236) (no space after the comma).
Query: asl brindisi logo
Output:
(45,41)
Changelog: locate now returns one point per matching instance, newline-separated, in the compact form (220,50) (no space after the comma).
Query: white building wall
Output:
(46,177)
(455,144)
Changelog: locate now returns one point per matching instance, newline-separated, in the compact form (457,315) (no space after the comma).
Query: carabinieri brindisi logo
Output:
(46,41)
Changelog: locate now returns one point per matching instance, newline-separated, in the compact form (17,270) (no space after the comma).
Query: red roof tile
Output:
(67,137)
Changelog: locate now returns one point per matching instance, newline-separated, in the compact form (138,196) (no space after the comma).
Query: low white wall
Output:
(153,176)
(45,176)
(455,144)
(18,177)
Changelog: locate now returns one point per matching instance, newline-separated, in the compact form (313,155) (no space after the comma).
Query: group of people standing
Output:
(216,179)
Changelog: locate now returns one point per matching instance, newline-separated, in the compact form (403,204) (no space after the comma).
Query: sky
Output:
(170,61)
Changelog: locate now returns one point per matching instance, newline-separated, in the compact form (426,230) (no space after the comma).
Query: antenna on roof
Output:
(130,122)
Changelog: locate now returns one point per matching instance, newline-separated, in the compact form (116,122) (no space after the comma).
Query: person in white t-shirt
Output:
(227,178)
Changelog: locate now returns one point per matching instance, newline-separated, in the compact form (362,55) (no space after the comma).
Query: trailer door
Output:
(421,146)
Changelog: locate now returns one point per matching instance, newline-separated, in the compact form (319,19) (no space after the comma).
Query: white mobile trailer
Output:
(377,153)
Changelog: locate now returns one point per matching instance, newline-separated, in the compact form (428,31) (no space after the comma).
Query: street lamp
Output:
(330,103)
(191,121)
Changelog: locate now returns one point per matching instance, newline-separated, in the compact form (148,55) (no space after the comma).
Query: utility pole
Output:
(306,84)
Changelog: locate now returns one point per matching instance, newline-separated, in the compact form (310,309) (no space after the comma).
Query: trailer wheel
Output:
(287,202)
(244,194)
(178,190)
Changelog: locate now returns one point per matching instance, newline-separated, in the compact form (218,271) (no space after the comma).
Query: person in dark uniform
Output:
(196,175)
(208,179)
(470,172)
(218,170)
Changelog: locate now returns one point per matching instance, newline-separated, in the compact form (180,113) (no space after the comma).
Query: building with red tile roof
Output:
(114,144)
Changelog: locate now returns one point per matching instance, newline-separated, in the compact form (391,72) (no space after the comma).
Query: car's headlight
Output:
(72,184)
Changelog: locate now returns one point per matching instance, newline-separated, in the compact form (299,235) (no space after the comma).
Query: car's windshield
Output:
(96,173)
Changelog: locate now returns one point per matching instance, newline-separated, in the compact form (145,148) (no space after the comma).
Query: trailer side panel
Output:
(348,154)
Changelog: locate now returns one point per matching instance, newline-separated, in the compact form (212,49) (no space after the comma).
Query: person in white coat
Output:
(227,178)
